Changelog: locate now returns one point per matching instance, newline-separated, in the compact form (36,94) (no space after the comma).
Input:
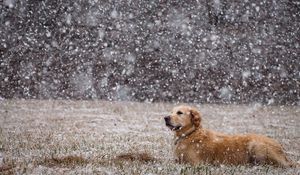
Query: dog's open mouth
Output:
(173,128)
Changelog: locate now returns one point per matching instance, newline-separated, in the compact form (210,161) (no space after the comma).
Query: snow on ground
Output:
(85,137)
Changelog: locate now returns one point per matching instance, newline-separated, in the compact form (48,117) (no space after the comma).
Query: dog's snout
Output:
(167,118)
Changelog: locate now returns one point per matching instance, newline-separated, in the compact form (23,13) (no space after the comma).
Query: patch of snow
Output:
(114,13)
(225,93)
(9,3)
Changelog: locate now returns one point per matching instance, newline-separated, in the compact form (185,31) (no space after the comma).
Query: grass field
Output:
(99,137)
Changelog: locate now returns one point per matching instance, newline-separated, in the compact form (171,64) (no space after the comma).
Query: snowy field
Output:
(88,137)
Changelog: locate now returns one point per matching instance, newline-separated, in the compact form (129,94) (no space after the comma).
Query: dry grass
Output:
(65,161)
(97,137)
(141,157)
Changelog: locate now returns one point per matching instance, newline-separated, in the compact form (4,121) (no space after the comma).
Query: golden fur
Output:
(196,145)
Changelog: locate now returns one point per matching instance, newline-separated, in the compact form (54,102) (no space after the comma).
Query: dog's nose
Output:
(167,118)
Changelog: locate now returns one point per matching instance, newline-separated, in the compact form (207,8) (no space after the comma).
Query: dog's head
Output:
(183,117)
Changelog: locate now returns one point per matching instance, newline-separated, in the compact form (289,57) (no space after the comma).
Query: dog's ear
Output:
(195,117)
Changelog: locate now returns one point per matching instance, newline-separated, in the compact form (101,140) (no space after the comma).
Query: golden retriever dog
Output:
(195,144)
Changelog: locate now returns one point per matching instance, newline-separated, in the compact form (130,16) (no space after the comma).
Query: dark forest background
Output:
(219,51)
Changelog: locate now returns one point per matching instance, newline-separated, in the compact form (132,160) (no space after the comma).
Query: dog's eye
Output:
(179,113)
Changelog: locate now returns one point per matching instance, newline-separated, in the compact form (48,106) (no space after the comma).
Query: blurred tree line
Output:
(215,51)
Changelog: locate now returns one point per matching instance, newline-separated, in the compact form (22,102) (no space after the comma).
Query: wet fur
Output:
(196,145)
